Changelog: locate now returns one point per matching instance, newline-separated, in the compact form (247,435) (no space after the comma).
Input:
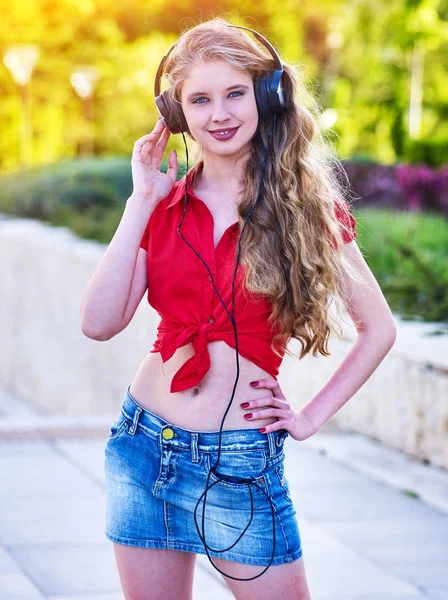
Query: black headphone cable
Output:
(232,318)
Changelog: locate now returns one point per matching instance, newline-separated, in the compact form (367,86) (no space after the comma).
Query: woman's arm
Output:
(119,282)
(376,331)
(117,286)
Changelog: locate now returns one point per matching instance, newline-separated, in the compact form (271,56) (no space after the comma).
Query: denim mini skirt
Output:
(156,475)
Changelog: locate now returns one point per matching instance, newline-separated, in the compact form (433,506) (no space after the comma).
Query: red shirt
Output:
(180,288)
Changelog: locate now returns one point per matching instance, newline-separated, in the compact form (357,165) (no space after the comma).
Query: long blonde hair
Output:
(292,245)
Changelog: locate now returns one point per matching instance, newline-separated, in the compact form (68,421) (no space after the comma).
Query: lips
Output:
(224,134)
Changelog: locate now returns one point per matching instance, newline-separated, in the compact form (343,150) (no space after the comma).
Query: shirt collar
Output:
(179,189)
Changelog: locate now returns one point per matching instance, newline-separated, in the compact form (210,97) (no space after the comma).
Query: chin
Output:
(227,149)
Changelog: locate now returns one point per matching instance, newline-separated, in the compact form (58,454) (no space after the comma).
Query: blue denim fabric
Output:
(155,473)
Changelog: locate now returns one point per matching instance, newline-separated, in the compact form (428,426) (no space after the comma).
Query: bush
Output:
(77,184)
(413,187)
(407,253)
(431,151)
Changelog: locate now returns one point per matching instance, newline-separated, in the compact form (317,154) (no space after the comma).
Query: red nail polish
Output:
(262,430)
(245,405)
(248,416)
(254,383)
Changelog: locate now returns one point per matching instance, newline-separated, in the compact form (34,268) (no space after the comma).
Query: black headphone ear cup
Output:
(162,106)
(172,113)
(261,96)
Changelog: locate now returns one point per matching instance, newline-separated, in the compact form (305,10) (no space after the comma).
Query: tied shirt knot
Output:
(193,369)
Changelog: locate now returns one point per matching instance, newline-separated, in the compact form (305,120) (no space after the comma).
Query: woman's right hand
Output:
(149,182)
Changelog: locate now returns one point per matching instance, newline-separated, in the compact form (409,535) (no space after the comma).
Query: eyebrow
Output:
(232,87)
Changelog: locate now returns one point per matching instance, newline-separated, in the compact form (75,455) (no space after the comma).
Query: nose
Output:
(220,112)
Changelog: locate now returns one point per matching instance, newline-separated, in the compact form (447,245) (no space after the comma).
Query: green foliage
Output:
(84,188)
(355,57)
(408,254)
(432,151)
(93,223)
(77,184)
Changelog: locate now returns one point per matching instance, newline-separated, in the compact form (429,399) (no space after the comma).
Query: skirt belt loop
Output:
(194,448)
(133,427)
(271,440)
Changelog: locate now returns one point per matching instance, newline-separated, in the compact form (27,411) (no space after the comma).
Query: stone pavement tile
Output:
(53,518)
(71,569)
(25,448)
(423,574)
(11,405)
(393,551)
(47,474)
(439,592)
(396,542)
(304,466)
(434,527)
(334,569)
(16,586)
(382,463)
(363,500)
(7,562)
(86,454)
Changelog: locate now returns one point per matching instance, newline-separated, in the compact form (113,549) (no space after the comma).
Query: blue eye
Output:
(204,98)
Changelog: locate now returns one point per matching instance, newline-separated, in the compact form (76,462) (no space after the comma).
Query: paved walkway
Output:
(374,523)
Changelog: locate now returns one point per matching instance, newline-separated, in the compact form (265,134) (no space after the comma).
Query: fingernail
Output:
(262,430)
(248,416)
(245,405)
(254,383)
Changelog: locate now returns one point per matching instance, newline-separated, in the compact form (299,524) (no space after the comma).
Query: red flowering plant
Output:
(424,188)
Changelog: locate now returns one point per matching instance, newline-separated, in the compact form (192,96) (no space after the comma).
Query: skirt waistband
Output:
(231,439)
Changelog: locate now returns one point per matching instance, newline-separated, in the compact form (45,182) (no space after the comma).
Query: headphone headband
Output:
(277,61)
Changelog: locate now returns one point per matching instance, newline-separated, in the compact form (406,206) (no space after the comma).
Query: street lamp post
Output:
(20,59)
(83,80)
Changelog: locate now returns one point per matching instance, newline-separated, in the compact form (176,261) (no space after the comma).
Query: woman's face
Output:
(216,96)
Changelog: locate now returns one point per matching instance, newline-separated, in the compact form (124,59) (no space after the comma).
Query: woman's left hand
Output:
(295,422)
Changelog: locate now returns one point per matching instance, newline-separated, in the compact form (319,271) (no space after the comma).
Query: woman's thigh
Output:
(155,573)
(286,581)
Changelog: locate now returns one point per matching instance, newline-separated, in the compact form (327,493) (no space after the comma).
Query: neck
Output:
(221,176)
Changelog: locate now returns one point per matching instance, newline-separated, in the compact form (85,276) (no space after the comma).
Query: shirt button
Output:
(168,433)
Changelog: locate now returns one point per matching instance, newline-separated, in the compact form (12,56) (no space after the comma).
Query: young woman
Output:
(298,251)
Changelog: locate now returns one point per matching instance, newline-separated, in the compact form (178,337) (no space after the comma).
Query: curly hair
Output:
(292,248)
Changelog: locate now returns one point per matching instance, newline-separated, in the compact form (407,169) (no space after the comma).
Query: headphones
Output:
(270,102)
(268,91)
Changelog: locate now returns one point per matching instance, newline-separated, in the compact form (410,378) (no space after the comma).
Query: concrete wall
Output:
(46,360)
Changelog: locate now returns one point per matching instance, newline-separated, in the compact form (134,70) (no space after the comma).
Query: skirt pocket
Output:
(118,427)
(236,468)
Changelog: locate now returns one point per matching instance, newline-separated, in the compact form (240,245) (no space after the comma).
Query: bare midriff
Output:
(201,408)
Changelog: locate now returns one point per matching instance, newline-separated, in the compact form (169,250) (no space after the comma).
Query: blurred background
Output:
(76,83)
